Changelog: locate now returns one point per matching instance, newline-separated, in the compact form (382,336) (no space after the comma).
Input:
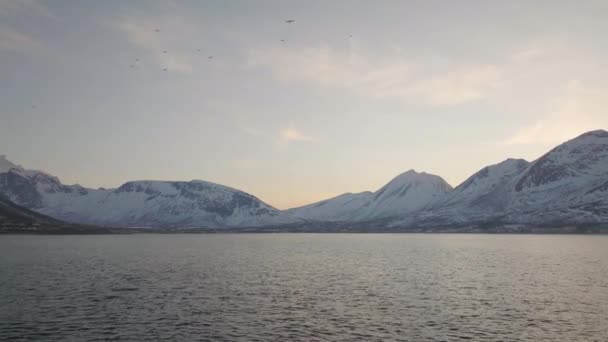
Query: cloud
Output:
(10,7)
(175,62)
(142,34)
(11,40)
(246,164)
(291,134)
(543,49)
(554,129)
(460,86)
(527,54)
(379,79)
(323,66)
(579,110)
(249,130)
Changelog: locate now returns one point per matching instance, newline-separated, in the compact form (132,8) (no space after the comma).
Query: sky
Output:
(345,98)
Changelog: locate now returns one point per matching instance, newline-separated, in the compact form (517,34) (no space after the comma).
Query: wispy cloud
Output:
(379,79)
(12,40)
(34,7)
(527,54)
(292,134)
(324,66)
(459,86)
(249,130)
(553,129)
(579,110)
(246,164)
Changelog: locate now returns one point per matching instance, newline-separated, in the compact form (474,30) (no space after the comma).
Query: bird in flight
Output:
(290,21)
(165,69)
(137,59)
(282,40)
(164,51)
(210,57)
(157,30)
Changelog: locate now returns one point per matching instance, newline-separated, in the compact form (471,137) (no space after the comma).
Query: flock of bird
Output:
(133,66)
(137,60)
(165,51)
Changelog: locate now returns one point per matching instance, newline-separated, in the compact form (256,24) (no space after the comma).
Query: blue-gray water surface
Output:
(304,287)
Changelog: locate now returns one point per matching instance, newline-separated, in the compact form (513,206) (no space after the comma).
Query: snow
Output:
(482,184)
(340,208)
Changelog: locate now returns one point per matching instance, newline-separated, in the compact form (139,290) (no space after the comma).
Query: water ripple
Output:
(304,287)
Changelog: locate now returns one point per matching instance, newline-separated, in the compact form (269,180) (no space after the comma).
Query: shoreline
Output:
(173,231)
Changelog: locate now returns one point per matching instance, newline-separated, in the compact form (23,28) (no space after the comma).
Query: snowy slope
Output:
(140,203)
(408,192)
(481,189)
(481,195)
(14,215)
(344,207)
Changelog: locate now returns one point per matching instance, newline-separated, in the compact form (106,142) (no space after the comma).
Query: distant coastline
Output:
(601,229)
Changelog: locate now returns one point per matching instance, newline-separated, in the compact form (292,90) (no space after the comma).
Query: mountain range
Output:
(568,186)
(138,203)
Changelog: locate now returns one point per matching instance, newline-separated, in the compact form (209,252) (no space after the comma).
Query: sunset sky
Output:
(357,93)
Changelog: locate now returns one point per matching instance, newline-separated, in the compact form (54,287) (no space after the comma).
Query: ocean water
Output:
(304,287)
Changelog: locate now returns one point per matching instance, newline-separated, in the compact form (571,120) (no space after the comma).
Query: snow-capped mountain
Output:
(567,185)
(140,203)
(406,193)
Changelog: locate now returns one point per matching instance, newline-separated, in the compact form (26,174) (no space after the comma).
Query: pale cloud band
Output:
(27,7)
(379,79)
(291,134)
(12,40)
(577,110)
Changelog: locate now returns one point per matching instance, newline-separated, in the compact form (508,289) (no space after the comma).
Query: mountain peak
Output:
(413,177)
(6,165)
(592,137)
(599,133)
(508,165)
(514,160)
(414,172)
